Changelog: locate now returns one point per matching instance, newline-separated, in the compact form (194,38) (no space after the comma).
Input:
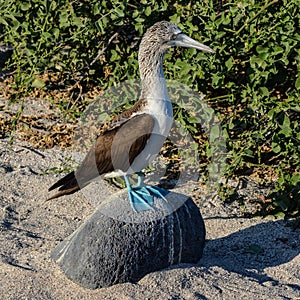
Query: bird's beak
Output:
(182,40)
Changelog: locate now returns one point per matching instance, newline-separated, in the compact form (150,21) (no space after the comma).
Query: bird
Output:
(134,138)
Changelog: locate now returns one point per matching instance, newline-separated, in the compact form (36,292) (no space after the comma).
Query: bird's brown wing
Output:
(114,149)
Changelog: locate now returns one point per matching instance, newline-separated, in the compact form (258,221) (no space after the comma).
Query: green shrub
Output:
(252,82)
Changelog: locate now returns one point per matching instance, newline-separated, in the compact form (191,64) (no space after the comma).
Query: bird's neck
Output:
(154,88)
(152,75)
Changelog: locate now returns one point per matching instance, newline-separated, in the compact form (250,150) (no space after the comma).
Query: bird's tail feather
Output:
(65,192)
(63,181)
(67,185)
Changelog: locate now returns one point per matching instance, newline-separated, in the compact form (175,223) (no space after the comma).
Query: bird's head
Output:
(166,35)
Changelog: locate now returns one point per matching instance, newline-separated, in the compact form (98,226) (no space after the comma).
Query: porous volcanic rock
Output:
(116,244)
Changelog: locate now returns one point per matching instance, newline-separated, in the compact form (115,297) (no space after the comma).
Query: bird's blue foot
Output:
(141,196)
(140,199)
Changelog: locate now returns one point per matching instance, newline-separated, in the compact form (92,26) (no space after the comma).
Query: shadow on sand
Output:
(250,251)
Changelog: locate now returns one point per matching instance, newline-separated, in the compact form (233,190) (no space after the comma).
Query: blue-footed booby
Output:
(135,138)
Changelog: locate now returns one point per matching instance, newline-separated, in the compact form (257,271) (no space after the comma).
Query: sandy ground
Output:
(243,258)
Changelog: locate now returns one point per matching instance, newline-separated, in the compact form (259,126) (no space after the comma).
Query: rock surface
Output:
(117,244)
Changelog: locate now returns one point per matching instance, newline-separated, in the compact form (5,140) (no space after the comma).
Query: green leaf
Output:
(229,63)
(119,12)
(295,178)
(297,82)
(285,127)
(280,214)
(264,91)
(277,50)
(148,11)
(64,19)
(276,147)
(261,49)
(115,56)
(38,83)
(193,119)
(214,133)
(3,21)
(55,32)
(25,6)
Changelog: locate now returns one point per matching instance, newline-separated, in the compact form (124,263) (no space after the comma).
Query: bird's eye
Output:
(173,37)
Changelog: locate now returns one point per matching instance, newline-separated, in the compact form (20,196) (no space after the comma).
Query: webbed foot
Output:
(141,197)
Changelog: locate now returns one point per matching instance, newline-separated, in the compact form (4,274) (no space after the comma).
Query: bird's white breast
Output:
(160,108)
(163,122)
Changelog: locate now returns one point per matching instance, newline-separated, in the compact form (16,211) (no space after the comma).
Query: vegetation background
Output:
(68,51)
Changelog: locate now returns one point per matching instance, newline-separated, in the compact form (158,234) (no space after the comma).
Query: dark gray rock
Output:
(117,244)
